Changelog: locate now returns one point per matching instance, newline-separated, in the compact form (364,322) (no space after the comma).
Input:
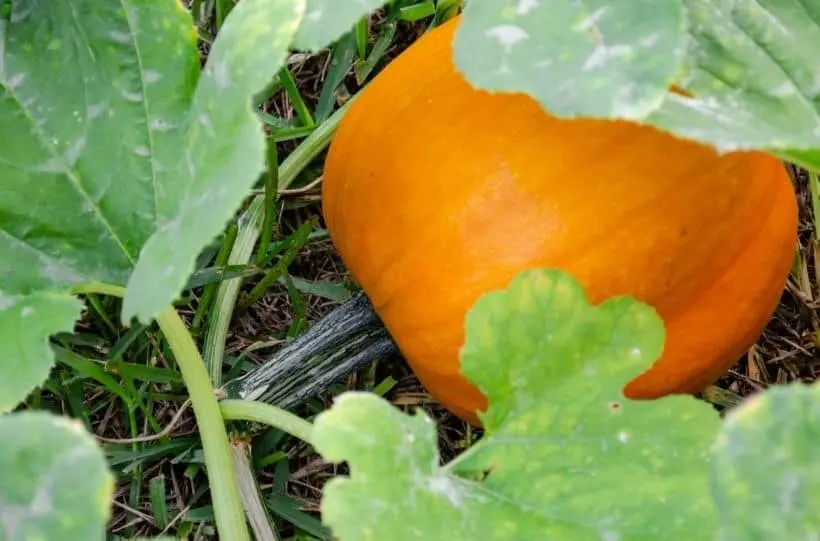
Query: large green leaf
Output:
(222,154)
(26,321)
(613,59)
(752,66)
(565,455)
(54,481)
(765,467)
(327,20)
(121,160)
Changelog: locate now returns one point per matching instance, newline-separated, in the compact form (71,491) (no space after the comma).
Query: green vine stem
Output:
(228,512)
(247,410)
(250,228)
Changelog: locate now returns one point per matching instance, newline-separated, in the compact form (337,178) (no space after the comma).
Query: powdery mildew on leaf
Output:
(223,152)
(124,160)
(588,57)
(115,143)
(325,21)
(26,321)
(123,156)
(93,92)
(63,491)
(81,187)
(764,466)
(397,490)
(753,65)
(565,455)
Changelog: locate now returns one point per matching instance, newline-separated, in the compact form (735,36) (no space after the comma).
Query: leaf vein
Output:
(127,8)
(801,95)
(68,170)
(60,262)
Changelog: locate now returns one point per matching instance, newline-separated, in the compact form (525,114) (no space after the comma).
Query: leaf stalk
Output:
(228,511)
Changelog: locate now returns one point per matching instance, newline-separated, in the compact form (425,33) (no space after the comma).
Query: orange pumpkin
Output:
(435,192)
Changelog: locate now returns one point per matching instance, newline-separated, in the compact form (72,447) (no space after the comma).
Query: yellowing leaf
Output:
(565,455)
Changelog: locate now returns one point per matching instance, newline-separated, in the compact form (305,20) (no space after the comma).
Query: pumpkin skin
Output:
(435,193)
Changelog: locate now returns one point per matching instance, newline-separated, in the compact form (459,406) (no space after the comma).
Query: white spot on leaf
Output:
(58,274)
(525,6)
(205,120)
(592,20)
(221,75)
(508,35)
(133,97)
(7,301)
(650,40)
(784,90)
(444,485)
(151,76)
(15,80)
(159,124)
(119,36)
(94,110)
(66,161)
(602,54)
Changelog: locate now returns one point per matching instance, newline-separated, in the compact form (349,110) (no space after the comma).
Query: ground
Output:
(161,487)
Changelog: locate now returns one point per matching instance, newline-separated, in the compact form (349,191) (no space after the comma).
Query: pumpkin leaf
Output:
(54,480)
(752,69)
(125,161)
(135,161)
(224,150)
(764,466)
(327,20)
(564,456)
(26,322)
(592,58)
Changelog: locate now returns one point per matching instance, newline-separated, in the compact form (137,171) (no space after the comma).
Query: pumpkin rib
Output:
(752,310)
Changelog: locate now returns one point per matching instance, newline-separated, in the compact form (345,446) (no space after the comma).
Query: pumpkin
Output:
(435,193)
